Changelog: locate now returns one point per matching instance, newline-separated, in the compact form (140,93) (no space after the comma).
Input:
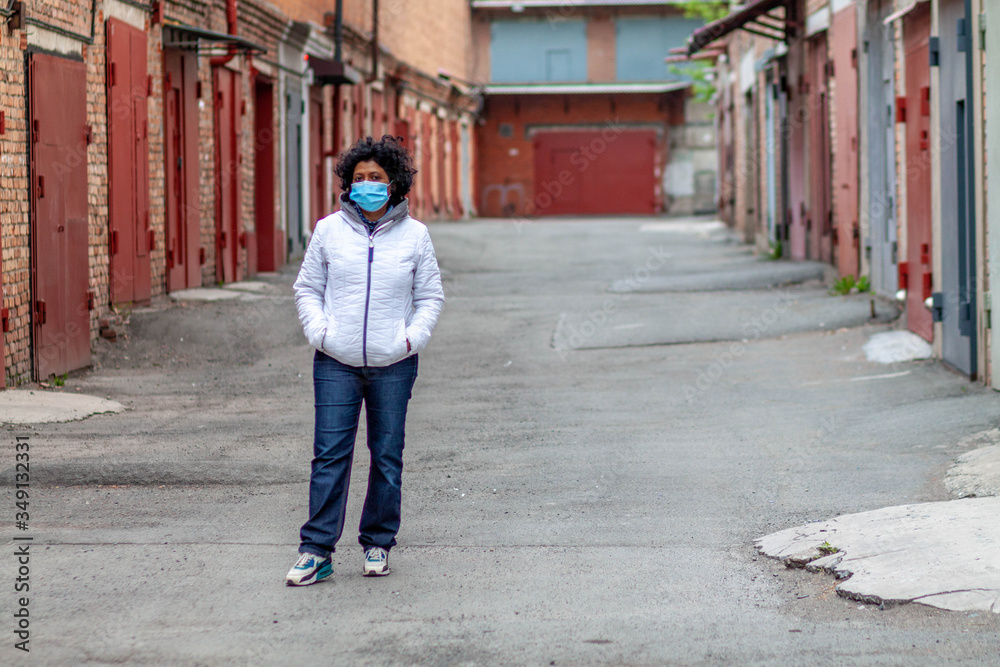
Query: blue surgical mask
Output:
(370,195)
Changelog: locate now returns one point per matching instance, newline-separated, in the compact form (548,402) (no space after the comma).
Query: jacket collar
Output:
(398,212)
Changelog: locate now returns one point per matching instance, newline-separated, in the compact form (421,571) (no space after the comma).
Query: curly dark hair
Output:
(389,154)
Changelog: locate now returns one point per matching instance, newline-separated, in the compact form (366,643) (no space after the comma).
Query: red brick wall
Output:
(97,173)
(601,44)
(14,224)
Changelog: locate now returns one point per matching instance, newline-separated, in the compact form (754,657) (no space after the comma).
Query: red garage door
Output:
(60,273)
(595,172)
(181,169)
(917,270)
(228,189)
(128,164)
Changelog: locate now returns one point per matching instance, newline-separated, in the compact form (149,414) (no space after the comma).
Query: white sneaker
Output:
(309,569)
(376,562)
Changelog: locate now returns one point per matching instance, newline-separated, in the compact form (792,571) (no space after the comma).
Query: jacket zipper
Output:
(368,296)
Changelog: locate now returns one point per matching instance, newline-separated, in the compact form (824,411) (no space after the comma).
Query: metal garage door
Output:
(228,104)
(957,299)
(60,274)
(293,169)
(317,175)
(846,235)
(181,145)
(881,242)
(918,269)
(270,239)
(128,164)
(595,172)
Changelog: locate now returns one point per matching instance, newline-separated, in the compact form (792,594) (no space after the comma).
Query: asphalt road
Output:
(588,499)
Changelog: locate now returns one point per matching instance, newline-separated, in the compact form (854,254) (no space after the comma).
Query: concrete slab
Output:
(977,473)
(204,294)
(701,228)
(944,554)
(890,347)
(749,276)
(253,286)
(634,320)
(27,406)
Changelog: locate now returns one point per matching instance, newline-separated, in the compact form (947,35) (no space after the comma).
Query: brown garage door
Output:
(595,172)
(60,276)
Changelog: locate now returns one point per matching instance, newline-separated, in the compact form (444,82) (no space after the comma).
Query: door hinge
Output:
(5,318)
(152,237)
(88,134)
(40,311)
(114,242)
(41,186)
(149,85)
(3,123)
(91,298)
(113,72)
(982,31)
(962,32)
(34,131)
(934,51)
(965,318)
(900,109)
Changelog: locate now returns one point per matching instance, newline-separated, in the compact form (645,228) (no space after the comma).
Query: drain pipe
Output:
(219,61)
(374,74)
(338,32)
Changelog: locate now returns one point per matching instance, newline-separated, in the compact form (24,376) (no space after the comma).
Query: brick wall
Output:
(601,43)
(98,221)
(428,34)
(157,175)
(14,223)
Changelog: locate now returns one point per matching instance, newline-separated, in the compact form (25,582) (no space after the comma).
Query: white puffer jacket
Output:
(360,296)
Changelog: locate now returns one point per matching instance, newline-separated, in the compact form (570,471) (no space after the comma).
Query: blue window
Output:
(532,51)
(643,42)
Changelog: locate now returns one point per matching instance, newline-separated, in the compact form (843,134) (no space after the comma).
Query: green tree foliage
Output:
(702,79)
(706,10)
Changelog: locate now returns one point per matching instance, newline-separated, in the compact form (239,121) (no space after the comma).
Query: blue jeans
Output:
(340,390)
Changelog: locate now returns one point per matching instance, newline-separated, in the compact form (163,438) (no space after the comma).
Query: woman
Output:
(368,296)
